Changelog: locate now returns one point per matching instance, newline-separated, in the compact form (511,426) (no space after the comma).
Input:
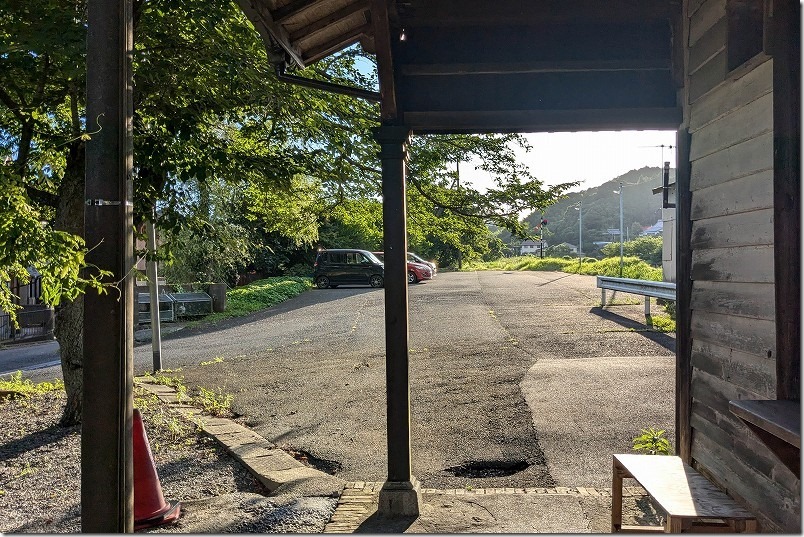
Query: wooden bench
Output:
(689,501)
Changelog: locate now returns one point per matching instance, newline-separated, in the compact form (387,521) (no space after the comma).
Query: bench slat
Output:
(679,489)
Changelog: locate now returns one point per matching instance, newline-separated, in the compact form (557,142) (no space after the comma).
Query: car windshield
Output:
(415,258)
(374,258)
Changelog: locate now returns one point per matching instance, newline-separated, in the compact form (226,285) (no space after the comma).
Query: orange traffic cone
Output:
(150,507)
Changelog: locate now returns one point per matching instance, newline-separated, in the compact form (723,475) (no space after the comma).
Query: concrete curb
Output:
(273,467)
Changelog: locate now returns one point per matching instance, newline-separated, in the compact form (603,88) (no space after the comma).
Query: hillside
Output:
(601,209)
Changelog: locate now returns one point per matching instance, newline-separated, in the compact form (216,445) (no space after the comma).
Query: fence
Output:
(33,324)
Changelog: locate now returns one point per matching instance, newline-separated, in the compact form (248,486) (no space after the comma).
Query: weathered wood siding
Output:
(730,118)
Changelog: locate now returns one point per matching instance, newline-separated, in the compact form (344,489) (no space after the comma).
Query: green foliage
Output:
(261,294)
(212,402)
(648,249)
(15,383)
(632,267)
(652,442)
(663,323)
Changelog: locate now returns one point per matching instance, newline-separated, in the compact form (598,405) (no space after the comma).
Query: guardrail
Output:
(646,288)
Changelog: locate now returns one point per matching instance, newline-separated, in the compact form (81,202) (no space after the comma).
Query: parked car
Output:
(418,259)
(338,266)
(416,271)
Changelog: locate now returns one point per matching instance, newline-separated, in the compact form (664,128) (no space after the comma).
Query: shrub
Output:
(652,442)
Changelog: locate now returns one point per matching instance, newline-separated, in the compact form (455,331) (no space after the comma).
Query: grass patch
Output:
(258,296)
(663,323)
(633,267)
(18,385)
(213,403)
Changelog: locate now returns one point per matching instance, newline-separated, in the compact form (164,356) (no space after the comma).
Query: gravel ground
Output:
(40,468)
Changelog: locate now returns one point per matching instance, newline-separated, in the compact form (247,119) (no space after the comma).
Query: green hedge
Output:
(633,267)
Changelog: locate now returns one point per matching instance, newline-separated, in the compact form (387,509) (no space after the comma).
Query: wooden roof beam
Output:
(286,12)
(333,18)
(385,60)
(334,45)
(485,13)
(263,21)
(533,67)
(478,121)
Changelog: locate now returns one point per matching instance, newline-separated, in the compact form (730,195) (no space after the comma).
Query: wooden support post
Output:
(616,497)
(602,298)
(107,484)
(683,297)
(399,496)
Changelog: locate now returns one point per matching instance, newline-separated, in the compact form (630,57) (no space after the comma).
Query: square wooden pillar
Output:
(400,494)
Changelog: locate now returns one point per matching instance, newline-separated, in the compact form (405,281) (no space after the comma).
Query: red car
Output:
(416,271)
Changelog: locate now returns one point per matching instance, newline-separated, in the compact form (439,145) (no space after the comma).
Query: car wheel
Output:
(376,281)
(322,282)
(412,277)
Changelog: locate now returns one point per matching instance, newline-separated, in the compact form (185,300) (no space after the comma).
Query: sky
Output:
(590,157)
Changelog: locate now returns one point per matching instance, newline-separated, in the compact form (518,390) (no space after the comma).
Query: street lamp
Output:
(579,208)
(620,192)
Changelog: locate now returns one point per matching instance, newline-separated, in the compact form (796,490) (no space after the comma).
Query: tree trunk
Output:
(70,316)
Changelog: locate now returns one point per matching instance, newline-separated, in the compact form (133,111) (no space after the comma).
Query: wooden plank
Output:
(740,368)
(292,9)
(742,195)
(753,84)
(716,392)
(712,42)
(561,66)
(746,229)
(707,76)
(780,418)
(683,372)
(754,336)
(343,14)
(746,158)
(679,490)
(732,432)
(704,18)
(786,47)
(735,435)
(754,300)
(749,121)
(340,42)
(779,506)
(743,264)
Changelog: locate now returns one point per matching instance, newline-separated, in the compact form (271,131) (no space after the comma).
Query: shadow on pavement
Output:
(661,338)
(382,524)
(308,298)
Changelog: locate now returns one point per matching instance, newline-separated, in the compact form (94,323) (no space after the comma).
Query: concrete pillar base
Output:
(400,498)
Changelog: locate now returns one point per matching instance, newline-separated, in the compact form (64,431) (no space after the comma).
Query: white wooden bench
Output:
(690,502)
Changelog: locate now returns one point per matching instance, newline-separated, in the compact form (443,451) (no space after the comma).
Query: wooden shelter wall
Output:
(730,117)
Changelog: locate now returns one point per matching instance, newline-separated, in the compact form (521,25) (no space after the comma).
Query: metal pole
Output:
(153,289)
(107,478)
(580,231)
(621,230)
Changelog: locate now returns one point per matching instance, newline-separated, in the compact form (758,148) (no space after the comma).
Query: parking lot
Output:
(517,379)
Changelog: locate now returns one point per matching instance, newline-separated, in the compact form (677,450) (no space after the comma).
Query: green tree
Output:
(647,248)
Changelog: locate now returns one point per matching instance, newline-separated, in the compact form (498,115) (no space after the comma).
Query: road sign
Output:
(613,231)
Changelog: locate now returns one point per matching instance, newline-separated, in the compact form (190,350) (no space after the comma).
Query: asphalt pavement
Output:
(518,379)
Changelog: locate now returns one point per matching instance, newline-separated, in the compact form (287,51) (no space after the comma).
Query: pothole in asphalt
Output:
(322,465)
(487,468)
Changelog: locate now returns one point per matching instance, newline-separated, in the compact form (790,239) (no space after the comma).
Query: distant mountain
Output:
(601,210)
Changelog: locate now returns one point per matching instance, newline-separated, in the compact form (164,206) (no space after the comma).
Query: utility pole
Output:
(621,230)
(579,208)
